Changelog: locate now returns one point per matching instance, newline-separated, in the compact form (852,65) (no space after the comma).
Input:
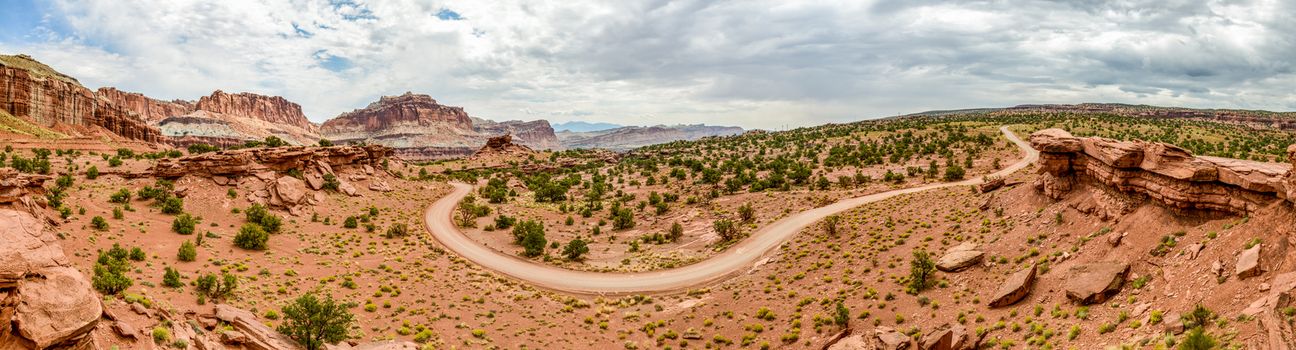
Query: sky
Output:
(767,64)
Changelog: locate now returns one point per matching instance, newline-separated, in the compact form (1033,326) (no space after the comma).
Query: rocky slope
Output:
(420,128)
(37,93)
(629,137)
(225,119)
(1161,172)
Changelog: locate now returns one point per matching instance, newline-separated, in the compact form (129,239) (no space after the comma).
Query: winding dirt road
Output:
(738,258)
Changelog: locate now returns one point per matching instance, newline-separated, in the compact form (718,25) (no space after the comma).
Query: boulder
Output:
(890,339)
(125,330)
(56,308)
(15,185)
(941,339)
(387,345)
(290,191)
(380,186)
(960,257)
(1170,160)
(1095,282)
(991,183)
(1248,263)
(1251,175)
(259,336)
(1113,153)
(1055,141)
(346,188)
(1014,288)
(851,342)
(314,179)
(1173,323)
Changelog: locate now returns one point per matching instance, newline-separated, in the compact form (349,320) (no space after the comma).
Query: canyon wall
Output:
(274,109)
(149,109)
(35,92)
(1162,172)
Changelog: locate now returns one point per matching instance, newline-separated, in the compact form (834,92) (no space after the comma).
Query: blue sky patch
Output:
(448,15)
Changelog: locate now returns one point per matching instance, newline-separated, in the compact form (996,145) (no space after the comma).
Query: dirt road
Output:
(737,259)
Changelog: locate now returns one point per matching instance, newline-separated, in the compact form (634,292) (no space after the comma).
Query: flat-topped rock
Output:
(1015,288)
(1055,141)
(959,258)
(1095,282)
(1248,263)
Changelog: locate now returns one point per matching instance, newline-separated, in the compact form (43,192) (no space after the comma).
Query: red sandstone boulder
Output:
(1055,141)
(1175,162)
(1095,282)
(258,335)
(1015,288)
(1248,263)
(1113,153)
(55,304)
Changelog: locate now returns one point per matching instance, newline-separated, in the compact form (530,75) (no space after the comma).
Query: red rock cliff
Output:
(34,91)
(405,114)
(273,109)
(149,109)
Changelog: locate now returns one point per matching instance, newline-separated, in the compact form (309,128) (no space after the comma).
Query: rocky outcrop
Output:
(1093,283)
(959,258)
(14,186)
(274,109)
(536,134)
(419,128)
(46,300)
(1162,172)
(249,161)
(150,110)
(502,146)
(256,335)
(1248,263)
(43,96)
(1015,288)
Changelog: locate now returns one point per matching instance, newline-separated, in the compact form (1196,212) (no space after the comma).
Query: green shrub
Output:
(313,322)
(921,271)
(397,230)
(98,223)
(110,271)
(575,249)
(171,278)
(172,205)
(188,252)
(184,224)
(210,286)
(92,173)
(251,236)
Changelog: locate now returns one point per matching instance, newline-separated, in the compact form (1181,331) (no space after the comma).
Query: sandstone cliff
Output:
(273,109)
(420,128)
(37,93)
(1162,172)
(149,109)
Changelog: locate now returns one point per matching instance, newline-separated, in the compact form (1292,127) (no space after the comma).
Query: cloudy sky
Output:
(754,63)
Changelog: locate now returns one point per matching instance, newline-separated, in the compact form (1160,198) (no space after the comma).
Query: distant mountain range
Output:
(630,137)
(580,126)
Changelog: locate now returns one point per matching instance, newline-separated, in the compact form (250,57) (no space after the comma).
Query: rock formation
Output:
(418,128)
(1015,288)
(273,109)
(46,300)
(150,110)
(1093,283)
(502,146)
(536,134)
(1165,173)
(630,137)
(45,97)
(959,258)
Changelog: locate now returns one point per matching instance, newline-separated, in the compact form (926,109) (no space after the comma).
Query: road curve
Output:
(738,258)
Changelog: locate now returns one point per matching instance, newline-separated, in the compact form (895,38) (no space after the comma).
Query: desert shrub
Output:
(110,271)
(331,182)
(575,249)
(172,205)
(99,223)
(622,218)
(325,143)
(726,229)
(216,288)
(188,252)
(121,196)
(258,214)
(397,230)
(921,271)
(92,173)
(676,232)
(137,254)
(314,322)
(504,221)
(184,224)
(199,148)
(251,236)
(350,222)
(1198,339)
(746,213)
(274,141)
(171,278)
(830,224)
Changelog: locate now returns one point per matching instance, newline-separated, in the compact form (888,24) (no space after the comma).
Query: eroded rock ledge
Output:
(1162,172)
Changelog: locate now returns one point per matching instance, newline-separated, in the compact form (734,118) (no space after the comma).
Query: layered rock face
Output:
(46,300)
(35,92)
(1162,172)
(419,128)
(536,134)
(272,109)
(150,110)
(263,173)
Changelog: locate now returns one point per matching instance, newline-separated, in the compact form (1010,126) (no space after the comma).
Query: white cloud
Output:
(765,63)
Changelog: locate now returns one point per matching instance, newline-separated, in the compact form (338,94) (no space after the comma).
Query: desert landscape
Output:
(705,210)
